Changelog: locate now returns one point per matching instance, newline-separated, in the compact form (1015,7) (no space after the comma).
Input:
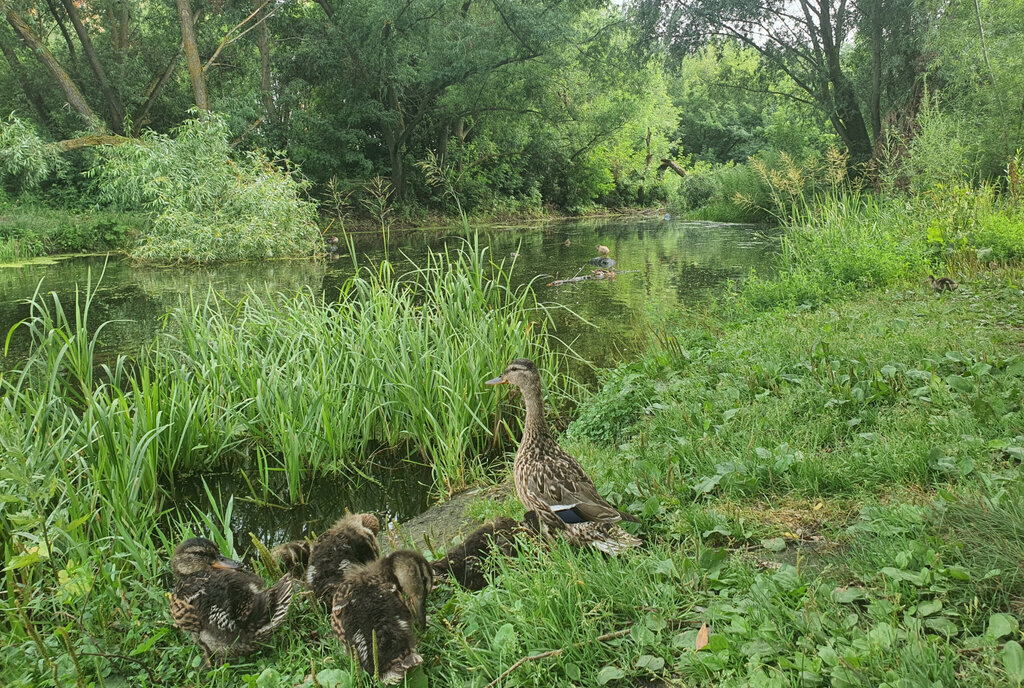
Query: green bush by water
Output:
(207,202)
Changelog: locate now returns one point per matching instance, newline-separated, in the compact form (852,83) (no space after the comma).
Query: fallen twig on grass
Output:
(554,653)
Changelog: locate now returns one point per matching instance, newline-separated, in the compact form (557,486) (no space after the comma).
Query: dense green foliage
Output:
(519,108)
(207,204)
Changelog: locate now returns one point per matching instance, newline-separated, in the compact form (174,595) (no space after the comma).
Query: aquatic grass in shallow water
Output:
(397,362)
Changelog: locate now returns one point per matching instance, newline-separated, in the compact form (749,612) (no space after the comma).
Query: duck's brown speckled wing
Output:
(185,603)
(557,479)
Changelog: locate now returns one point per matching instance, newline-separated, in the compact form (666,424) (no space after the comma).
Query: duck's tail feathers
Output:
(608,538)
(398,669)
(279,600)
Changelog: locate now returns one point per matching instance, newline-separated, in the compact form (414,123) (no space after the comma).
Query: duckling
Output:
(227,610)
(374,609)
(514,254)
(603,251)
(567,242)
(942,284)
(349,542)
(551,482)
(465,561)
(293,557)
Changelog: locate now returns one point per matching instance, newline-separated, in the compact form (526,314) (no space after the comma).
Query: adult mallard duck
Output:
(465,562)
(551,482)
(374,610)
(227,610)
(349,542)
(942,284)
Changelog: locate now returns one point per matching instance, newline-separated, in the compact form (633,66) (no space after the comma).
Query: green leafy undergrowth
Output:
(29,231)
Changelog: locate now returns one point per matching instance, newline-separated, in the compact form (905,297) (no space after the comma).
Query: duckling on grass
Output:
(227,610)
(349,542)
(465,562)
(375,609)
(942,284)
(551,482)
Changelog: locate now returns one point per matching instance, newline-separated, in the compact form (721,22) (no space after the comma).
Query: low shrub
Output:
(1002,234)
(209,203)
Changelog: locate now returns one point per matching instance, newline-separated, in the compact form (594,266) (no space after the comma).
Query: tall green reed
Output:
(396,364)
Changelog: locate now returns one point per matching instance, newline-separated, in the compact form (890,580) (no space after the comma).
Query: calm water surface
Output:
(660,264)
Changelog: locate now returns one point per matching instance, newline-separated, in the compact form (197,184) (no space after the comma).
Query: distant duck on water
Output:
(227,610)
(552,483)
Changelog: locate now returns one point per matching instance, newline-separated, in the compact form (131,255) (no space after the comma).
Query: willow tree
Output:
(804,39)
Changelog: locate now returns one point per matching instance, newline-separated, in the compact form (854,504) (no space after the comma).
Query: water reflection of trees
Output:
(674,263)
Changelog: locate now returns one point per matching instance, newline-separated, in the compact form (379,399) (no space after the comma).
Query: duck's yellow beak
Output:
(225,563)
(500,380)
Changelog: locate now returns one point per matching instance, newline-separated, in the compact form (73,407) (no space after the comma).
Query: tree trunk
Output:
(876,69)
(71,92)
(31,94)
(845,112)
(195,66)
(113,102)
(153,93)
(668,163)
(64,32)
(266,77)
(327,8)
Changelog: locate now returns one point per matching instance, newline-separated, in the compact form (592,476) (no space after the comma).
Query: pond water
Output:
(660,265)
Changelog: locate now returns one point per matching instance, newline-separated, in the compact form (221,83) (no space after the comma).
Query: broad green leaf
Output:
(1001,625)
(609,673)
(1012,656)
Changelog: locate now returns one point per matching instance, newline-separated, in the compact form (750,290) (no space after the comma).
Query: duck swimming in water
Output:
(552,482)
(227,610)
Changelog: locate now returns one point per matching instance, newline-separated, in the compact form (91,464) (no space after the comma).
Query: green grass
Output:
(32,230)
(834,491)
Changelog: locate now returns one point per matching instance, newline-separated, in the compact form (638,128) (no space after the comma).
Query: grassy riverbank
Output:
(32,230)
(835,493)
(832,486)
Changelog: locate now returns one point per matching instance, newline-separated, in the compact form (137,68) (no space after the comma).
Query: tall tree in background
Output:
(195,65)
(802,38)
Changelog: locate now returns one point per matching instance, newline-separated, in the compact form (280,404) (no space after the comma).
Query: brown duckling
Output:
(349,542)
(465,562)
(227,610)
(942,284)
(293,557)
(567,242)
(374,610)
(603,251)
(552,482)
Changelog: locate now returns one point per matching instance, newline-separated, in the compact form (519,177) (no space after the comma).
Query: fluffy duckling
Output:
(603,251)
(227,610)
(465,561)
(349,542)
(552,482)
(374,609)
(293,557)
(567,242)
(942,284)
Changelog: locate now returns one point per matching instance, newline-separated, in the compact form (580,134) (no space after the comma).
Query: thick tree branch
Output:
(71,91)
